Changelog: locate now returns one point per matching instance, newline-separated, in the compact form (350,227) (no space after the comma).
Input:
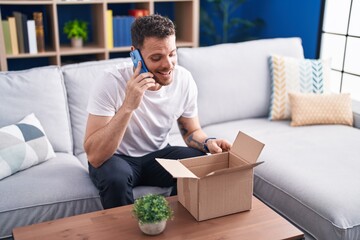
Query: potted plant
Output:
(220,22)
(77,31)
(152,212)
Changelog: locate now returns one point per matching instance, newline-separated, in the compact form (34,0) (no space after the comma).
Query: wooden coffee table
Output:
(118,223)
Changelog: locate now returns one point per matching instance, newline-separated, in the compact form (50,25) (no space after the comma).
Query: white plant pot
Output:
(77,42)
(153,228)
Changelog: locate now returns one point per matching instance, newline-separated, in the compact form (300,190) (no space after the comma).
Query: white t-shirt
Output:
(150,124)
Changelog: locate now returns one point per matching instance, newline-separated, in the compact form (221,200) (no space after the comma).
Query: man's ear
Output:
(132,48)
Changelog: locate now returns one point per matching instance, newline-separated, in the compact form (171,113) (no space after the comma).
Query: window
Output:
(340,40)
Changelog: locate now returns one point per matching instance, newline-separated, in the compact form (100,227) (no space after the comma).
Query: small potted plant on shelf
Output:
(77,31)
(152,212)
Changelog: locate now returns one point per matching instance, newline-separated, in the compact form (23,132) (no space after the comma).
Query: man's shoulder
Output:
(120,68)
(183,73)
(183,77)
(181,69)
(124,66)
(118,72)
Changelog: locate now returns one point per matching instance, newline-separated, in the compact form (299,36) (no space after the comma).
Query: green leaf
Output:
(76,29)
(231,25)
(152,208)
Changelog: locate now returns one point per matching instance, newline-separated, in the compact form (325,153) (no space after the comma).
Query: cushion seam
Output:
(55,202)
(67,109)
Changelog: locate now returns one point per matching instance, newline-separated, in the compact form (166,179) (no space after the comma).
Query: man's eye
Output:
(155,59)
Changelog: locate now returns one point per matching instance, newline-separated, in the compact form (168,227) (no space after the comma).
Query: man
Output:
(131,114)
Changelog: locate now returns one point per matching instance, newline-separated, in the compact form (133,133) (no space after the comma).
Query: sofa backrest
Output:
(233,82)
(40,91)
(233,79)
(79,79)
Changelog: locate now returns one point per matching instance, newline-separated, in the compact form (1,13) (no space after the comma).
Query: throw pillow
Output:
(295,75)
(310,109)
(23,145)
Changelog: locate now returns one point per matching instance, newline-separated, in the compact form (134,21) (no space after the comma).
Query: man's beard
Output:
(162,80)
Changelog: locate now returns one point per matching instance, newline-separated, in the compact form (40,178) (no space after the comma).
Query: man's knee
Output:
(118,180)
(115,173)
(115,184)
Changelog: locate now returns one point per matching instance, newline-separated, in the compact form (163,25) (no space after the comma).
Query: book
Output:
(32,36)
(13,35)
(115,39)
(127,35)
(122,24)
(24,19)
(109,29)
(2,45)
(39,30)
(117,28)
(6,34)
(19,31)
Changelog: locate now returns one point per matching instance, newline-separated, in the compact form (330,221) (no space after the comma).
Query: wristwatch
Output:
(205,144)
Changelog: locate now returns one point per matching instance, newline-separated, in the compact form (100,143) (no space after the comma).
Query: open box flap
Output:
(176,168)
(247,147)
(234,169)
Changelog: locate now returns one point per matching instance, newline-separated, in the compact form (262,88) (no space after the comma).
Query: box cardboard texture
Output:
(219,184)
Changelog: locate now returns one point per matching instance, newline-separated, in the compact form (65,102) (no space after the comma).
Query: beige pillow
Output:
(310,109)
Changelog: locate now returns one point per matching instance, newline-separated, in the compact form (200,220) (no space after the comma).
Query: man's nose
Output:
(167,63)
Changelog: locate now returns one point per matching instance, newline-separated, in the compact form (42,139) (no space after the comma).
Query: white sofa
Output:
(299,179)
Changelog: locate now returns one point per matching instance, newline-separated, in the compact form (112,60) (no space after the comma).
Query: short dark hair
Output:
(151,26)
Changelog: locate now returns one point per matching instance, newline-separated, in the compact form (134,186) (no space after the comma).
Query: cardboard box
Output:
(219,184)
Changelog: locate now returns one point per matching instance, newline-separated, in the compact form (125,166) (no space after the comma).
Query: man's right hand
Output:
(136,87)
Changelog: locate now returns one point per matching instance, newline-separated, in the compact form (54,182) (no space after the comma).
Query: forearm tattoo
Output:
(193,142)
(190,139)
(182,128)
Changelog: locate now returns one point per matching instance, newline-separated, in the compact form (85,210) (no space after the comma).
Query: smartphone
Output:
(136,57)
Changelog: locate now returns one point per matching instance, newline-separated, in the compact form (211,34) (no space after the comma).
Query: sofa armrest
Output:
(356,113)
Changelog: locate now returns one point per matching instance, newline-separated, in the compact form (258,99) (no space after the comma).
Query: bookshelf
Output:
(184,13)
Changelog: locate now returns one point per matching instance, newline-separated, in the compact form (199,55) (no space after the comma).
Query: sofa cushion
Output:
(233,79)
(23,145)
(310,109)
(54,189)
(356,113)
(79,79)
(40,91)
(295,75)
(83,159)
(310,174)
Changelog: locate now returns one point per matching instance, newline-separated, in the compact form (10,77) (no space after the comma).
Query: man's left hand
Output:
(218,145)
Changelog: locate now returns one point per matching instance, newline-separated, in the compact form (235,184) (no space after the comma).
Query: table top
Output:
(260,222)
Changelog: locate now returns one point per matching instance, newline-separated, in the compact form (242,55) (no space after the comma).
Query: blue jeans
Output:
(117,177)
